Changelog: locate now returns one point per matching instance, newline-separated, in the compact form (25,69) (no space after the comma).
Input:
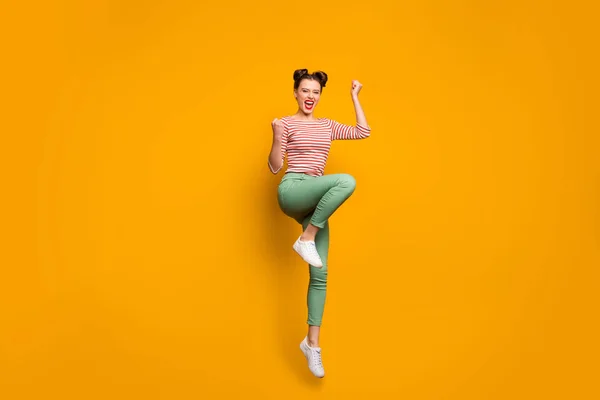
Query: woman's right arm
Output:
(278,146)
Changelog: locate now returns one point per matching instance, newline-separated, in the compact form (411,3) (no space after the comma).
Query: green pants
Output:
(309,199)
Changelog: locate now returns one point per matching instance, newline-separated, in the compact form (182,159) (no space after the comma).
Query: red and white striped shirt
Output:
(307,143)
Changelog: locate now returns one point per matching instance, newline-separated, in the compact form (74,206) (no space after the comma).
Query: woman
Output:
(308,196)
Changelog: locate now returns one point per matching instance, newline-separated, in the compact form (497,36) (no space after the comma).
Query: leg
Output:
(316,302)
(317,287)
(341,188)
(319,197)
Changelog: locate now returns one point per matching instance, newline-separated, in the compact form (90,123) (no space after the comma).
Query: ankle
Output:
(312,343)
(307,238)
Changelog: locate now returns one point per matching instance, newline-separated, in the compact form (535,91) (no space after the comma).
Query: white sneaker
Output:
(313,356)
(308,252)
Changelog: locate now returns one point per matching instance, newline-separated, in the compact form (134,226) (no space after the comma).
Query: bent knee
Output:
(347,181)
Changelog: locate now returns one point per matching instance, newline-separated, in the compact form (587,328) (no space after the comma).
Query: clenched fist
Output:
(277,126)
(356,86)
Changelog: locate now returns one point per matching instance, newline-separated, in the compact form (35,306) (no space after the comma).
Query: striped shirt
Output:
(307,143)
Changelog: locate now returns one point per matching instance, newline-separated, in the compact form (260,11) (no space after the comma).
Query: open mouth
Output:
(309,104)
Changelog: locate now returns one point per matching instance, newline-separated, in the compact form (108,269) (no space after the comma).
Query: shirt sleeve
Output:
(346,132)
(284,142)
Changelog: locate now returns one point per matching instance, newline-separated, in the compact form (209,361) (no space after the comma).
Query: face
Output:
(307,95)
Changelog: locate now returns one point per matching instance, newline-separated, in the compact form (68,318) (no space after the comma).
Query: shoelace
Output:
(317,357)
(313,249)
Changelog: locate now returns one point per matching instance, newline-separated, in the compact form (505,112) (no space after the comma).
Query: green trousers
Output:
(309,199)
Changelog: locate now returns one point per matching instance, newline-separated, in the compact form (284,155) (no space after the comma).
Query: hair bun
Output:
(321,76)
(299,73)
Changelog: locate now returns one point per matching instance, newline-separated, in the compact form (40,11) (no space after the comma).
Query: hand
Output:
(277,126)
(356,86)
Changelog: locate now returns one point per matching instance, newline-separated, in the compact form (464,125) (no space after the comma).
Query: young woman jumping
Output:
(306,194)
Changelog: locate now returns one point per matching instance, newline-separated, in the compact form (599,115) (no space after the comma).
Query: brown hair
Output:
(301,74)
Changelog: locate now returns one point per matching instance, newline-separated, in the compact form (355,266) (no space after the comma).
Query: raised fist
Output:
(277,126)
(356,86)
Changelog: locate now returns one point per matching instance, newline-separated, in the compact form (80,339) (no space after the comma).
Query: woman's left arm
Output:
(347,132)
(361,119)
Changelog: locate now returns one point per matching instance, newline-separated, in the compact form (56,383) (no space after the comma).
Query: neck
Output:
(301,115)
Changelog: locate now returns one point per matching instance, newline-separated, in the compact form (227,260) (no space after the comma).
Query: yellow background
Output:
(143,253)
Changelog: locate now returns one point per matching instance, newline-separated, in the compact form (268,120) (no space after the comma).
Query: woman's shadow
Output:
(280,231)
